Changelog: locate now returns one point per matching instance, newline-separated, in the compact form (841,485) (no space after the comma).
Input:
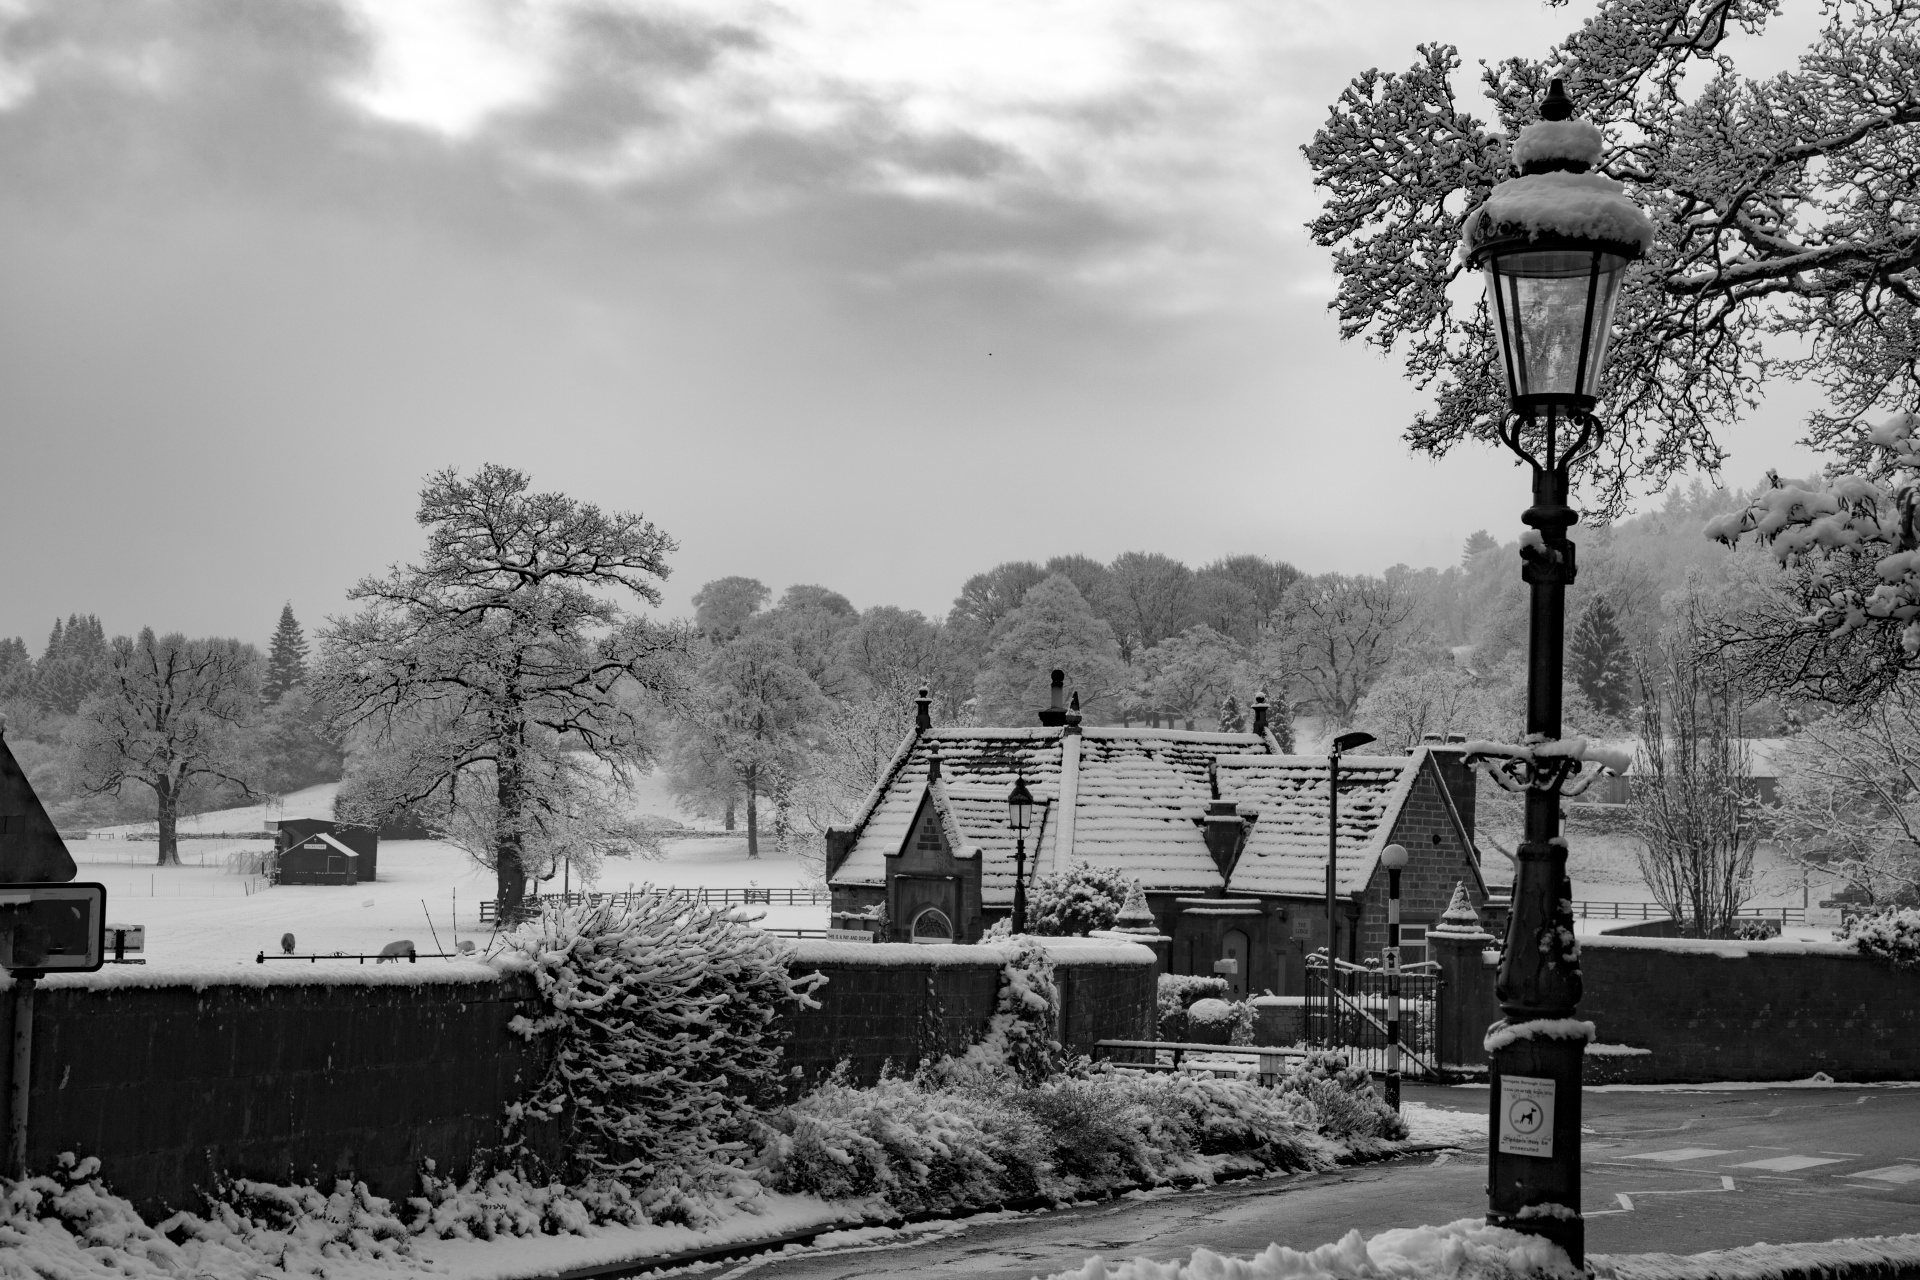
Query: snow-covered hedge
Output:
(1344,1102)
(1177,992)
(663,1040)
(1216,1021)
(1893,936)
(927,1146)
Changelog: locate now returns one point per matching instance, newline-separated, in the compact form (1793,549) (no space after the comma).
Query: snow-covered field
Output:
(428,892)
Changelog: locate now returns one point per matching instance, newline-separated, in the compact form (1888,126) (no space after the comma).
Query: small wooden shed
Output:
(319,851)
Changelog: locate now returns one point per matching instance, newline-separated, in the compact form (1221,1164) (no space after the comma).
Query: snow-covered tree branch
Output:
(1785,239)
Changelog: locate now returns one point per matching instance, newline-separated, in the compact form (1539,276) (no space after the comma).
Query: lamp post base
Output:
(1533,1167)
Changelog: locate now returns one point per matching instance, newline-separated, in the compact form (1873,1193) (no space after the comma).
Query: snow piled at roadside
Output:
(1884,1255)
(1468,1249)
(1440,1124)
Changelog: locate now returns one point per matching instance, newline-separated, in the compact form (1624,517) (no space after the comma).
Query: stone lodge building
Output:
(1227,836)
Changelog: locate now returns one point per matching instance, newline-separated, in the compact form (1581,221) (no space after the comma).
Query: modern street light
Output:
(1341,745)
(1394,859)
(1019,817)
(1554,243)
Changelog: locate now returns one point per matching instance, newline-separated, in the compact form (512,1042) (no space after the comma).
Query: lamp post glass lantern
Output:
(1554,243)
(1019,817)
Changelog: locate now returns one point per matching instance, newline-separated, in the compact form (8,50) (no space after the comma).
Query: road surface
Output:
(1672,1172)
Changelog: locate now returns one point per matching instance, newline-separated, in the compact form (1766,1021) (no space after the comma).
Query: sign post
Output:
(44,928)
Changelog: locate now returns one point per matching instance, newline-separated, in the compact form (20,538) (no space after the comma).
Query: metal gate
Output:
(1349,1015)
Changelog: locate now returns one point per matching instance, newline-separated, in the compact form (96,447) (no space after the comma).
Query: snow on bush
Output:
(1468,1249)
(1215,1021)
(1077,900)
(70,1226)
(1343,1098)
(1176,993)
(663,1044)
(1022,1037)
(938,1143)
(1893,936)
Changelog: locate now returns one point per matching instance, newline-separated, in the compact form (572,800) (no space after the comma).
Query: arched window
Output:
(932,925)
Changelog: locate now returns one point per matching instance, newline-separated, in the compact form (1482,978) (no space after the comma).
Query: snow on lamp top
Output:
(1554,194)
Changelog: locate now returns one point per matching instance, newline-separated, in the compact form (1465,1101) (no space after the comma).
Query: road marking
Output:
(1895,1173)
(1786,1164)
(1855,1154)
(1626,1201)
(1681,1153)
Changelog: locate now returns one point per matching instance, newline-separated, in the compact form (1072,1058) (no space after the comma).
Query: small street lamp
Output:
(1394,859)
(1019,817)
(1341,745)
(1555,244)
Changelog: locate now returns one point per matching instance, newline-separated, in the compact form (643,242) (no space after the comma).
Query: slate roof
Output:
(1286,852)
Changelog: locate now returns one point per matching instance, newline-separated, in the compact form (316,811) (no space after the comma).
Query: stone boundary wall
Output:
(1709,1011)
(294,1073)
(278,1080)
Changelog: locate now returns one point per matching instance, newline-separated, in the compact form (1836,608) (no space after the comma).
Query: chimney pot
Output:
(1260,712)
(923,711)
(1054,714)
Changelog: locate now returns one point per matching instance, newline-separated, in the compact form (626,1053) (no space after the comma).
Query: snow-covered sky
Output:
(871,293)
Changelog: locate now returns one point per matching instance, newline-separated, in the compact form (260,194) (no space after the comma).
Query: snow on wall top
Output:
(287,973)
(1062,951)
(1286,852)
(1585,205)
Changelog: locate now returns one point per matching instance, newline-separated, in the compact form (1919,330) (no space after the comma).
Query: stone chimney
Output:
(1462,779)
(1260,710)
(923,711)
(1055,713)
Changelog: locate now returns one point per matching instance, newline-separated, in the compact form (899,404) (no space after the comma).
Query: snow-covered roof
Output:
(1129,799)
(1286,852)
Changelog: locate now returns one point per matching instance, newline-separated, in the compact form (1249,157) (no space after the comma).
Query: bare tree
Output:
(498,672)
(172,714)
(747,712)
(1850,800)
(1776,202)
(1692,802)
(1146,597)
(1342,632)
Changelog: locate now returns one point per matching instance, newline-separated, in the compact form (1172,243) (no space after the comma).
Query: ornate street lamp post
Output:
(1019,816)
(1554,243)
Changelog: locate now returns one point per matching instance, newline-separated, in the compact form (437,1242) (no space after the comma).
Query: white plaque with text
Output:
(1526,1116)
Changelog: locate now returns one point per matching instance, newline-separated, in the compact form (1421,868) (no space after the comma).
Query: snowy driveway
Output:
(1804,1164)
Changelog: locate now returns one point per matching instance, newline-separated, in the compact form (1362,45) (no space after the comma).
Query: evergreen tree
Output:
(1597,659)
(16,668)
(286,658)
(74,665)
(1478,543)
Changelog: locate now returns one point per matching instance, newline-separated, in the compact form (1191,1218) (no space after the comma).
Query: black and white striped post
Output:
(1394,859)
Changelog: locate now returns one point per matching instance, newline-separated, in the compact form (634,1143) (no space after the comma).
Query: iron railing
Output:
(1350,1015)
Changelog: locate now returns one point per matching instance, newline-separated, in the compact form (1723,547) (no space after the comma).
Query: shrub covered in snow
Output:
(1893,936)
(1343,1098)
(1215,1021)
(1022,1037)
(71,1226)
(937,1143)
(1077,900)
(1176,993)
(663,1045)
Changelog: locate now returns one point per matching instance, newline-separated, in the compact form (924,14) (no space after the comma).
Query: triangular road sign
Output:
(30,845)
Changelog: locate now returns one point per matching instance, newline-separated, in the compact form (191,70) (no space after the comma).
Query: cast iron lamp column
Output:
(1019,815)
(1551,287)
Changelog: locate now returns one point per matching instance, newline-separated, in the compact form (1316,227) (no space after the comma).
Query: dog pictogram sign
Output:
(1526,1116)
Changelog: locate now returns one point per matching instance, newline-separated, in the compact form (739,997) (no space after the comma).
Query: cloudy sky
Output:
(871,293)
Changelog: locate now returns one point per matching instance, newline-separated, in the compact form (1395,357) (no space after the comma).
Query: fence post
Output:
(1463,998)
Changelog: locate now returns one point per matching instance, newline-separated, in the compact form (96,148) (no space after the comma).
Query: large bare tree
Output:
(172,714)
(1341,633)
(1786,245)
(494,677)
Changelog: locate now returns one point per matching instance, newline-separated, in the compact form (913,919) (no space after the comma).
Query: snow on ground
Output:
(200,913)
(313,802)
(1444,1124)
